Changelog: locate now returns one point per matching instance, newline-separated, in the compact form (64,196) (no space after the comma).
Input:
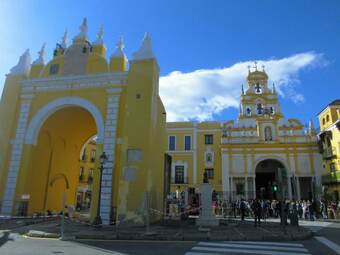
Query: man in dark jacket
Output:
(257,212)
(242,209)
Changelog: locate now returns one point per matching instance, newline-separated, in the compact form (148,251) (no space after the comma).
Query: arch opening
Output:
(267,172)
(53,174)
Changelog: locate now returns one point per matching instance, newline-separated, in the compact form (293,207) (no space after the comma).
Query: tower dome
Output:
(257,75)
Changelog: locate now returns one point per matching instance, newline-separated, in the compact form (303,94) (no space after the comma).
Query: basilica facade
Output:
(249,157)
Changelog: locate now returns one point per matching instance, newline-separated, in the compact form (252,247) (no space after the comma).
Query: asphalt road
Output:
(325,242)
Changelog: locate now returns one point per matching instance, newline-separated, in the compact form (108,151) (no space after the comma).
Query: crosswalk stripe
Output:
(328,243)
(268,243)
(211,249)
(201,253)
(263,247)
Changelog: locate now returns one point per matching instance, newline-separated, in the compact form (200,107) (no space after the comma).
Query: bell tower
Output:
(259,101)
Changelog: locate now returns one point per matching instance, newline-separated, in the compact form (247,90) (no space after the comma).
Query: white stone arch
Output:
(272,157)
(288,171)
(46,111)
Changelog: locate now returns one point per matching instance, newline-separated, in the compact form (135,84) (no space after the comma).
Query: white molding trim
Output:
(50,108)
(75,82)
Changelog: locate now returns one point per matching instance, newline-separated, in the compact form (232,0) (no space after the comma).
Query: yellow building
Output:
(244,158)
(49,110)
(329,138)
(86,170)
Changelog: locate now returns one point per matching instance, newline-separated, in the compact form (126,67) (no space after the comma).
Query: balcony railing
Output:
(329,152)
(180,181)
(331,178)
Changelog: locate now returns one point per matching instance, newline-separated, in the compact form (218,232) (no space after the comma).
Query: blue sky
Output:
(298,41)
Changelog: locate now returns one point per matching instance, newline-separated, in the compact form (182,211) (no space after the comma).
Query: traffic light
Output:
(275,187)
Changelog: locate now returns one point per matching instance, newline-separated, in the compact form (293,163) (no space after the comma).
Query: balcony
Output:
(331,178)
(329,152)
(179,181)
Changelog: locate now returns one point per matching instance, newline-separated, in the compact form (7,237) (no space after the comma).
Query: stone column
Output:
(298,192)
(231,188)
(246,187)
(16,155)
(254,187)
(289,184)
(225,177)
(109,144)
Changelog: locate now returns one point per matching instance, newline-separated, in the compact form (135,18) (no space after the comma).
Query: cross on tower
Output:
(255,65)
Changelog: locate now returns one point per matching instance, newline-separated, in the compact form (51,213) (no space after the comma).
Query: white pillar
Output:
(231,188)
(246,187)
(194,158)
(225,177)
(298,188)
(289,183)
(254,187)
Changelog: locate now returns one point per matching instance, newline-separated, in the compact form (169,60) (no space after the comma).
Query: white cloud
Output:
(199,94)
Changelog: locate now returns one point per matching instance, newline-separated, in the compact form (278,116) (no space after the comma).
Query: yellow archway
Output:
(55,157)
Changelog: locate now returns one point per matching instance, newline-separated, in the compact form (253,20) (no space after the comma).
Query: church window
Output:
(272,110)
(268,134)
(327,118)
(258,88)
(208,139)
(179,174)
(187,143)
(248,111)
(172,143)
(259,109)
(323,121)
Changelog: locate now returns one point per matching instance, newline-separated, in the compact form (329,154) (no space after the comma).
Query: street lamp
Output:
(102,160)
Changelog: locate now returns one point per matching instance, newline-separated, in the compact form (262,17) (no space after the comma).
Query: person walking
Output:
(257,212)
(242,209)
(333,209)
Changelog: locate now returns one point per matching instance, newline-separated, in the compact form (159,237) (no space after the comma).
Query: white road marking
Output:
(268,243)
(263,247)
(328,243)
(248,251)
(248,247)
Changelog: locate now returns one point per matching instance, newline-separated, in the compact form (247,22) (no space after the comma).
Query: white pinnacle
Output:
(24,64)
(118,53)
(63,43)
(100,36)
(40,59)
(311,129)
(83,30)
(145,50)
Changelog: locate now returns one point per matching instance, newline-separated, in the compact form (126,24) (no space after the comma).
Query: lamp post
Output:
(103,159)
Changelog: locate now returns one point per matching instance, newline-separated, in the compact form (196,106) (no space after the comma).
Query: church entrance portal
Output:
(266,178)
